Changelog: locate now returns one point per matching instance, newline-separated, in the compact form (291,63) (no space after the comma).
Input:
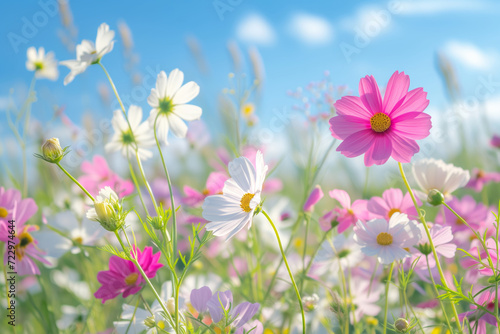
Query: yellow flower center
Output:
(78,240)
(24,240)
(205,192)
(248,109)
(384,239)
(166,106)
(3,212)
(245,202)
(380,122)
(161,324)
(393,211)
(459,221)
(131,279)
(38,65)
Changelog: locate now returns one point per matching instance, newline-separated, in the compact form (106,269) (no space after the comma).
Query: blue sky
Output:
(297,41)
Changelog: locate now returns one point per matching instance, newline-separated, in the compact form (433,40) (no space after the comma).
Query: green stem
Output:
(25,130)
(386,308)
(172,202)
(146,183)
(437,294)
(289,271)
(431,243)
(74,180)
(134,178)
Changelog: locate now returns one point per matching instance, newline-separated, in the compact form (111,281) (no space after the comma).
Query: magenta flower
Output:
(480,178)
(382,128)
(214,186)
(314,198)
(475,214)
(123,277)
(25,245)
(349,214)
(98,175)
(495,141)
(392,201)
(479,318)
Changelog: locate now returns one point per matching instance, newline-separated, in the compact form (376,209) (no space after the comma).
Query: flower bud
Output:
(314,198)
(401,325)
(310,302)
(108,210)
(171,305)
(435,197)
(52,150)
(104,211)
(156,222)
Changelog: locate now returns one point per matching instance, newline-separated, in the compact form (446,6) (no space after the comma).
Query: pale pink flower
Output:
(214,186)
(349,214)
(388,240)
(441,237)
(477,248)
(495,141)
(98,175)
(480,178)
(382,128)
(392,201)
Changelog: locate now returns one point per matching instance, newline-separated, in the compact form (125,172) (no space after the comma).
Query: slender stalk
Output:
(431,243)
(437,293)
(172,202)
(134,178)
(76,182)
(25,130)
(386,308)
(289,271)
(146,183)
(136,263)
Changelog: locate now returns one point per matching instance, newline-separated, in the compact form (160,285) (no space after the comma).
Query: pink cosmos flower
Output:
(313,198)
(478,318)
(98,175)
(382,128)
(123,277)
(441,237)
(9,198)
(214,186)
(495,141)
(349,214)
(329,220)
(475,214)
(392,201)
(477,248)
(26,249)
(480,178)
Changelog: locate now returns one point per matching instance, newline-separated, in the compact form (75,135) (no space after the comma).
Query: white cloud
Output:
(255,29)
(311,29)
(429,7)
(369,19)
(469,55)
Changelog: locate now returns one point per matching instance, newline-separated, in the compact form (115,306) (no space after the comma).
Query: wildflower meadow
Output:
(168,168)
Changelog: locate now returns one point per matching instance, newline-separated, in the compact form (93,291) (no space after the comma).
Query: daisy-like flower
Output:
(123,277)
(169,102)
(436,174)
(230,212)
(480,178)
(392,201)
(88,53)
(214,185)
(349,214)
(44,64)
(382,128)
(477,264)
(341,249)
(388,240)
(9,198)
(129,138)
(98,175)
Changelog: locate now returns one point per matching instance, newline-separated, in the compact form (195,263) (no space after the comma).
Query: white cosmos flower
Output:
(88,53)
(105,202)
(44,64)
(436,174)
(168,101)
(388,240)
(123,139)
(230,212)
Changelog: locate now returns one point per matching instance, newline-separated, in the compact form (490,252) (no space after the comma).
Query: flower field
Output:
(171,200)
